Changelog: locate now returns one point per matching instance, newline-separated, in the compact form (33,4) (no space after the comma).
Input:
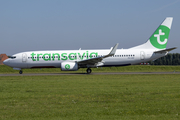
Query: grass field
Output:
(133,68)
(90,97)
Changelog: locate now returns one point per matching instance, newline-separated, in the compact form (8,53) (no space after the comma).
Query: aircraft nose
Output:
(6,62)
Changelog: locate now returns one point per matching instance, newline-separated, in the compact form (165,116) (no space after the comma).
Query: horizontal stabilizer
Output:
(165,50)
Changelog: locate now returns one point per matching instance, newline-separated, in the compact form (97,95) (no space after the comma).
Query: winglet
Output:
(113,51)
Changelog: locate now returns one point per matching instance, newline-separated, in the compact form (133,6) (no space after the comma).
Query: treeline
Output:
(169,59)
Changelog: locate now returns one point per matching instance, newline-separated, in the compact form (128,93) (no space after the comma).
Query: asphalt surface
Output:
(103,73)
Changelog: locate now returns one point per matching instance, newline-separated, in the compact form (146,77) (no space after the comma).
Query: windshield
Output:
(13,57)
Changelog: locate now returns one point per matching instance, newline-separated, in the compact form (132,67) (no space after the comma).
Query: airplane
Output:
(72,60)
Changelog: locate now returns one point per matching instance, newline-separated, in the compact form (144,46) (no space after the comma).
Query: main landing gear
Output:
(88,71)
(20,72)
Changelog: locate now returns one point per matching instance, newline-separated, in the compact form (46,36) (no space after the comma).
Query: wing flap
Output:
(91,61)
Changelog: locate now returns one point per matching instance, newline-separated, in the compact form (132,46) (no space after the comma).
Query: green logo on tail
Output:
(160,37)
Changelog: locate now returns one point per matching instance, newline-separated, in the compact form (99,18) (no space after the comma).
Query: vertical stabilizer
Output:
(159,38)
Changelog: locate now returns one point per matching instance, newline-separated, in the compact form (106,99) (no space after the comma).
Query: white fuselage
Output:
(53,59)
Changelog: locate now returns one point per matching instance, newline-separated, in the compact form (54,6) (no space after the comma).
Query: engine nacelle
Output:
(69,66)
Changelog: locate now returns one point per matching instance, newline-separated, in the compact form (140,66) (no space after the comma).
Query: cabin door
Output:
(24,57)
(142,55)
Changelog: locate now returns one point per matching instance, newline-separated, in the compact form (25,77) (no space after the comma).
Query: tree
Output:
(169,59)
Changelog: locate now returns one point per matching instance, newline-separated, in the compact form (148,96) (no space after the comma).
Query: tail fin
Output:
(159,38)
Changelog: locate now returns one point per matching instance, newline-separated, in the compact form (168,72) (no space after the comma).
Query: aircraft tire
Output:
(88,71)
(20,72)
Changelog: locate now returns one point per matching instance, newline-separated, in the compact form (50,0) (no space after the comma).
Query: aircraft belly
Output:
(19,65)
(44,65)
(116,62)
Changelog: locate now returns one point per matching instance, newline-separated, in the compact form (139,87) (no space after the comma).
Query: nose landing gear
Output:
(20,72)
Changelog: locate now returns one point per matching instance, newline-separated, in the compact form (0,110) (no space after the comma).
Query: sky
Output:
(28,25)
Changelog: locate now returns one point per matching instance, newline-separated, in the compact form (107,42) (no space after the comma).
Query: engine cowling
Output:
(69,66)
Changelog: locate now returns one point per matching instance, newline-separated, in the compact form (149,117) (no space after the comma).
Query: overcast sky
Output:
(27,25)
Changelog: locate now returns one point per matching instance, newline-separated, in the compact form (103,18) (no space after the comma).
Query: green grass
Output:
(132,68)
(90,97)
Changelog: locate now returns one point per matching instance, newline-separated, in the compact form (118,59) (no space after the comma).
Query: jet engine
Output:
(69,66)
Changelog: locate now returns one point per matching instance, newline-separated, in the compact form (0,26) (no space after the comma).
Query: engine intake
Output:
(69,66)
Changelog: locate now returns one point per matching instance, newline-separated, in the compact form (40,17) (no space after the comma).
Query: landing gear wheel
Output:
(88,71)
(20,72)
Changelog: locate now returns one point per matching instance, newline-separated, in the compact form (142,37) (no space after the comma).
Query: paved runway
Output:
(98,73)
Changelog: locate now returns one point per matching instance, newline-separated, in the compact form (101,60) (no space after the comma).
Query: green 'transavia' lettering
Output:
(81,57)
(33,57)
(47,57)
(38,56)
(91,54)
(71,56)
(56,54)
(62,56)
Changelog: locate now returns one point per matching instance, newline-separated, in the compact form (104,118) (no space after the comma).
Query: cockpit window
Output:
(13,57)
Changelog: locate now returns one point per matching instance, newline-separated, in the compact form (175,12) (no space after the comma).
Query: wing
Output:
(94,61)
